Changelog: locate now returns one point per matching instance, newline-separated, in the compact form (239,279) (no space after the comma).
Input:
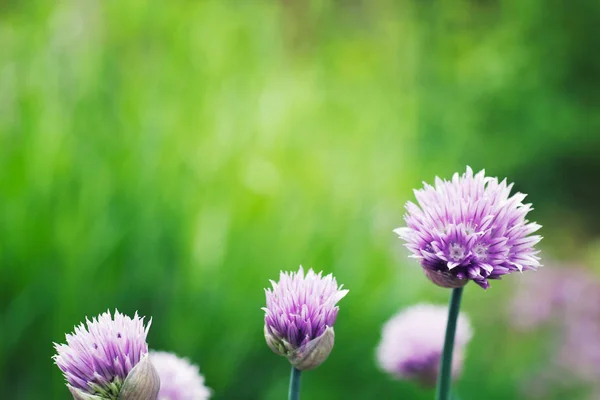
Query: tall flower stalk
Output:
(294,392)
(468,229)
(299,316)
(444,377)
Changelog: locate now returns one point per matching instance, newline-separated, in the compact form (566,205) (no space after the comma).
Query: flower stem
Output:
(294,393)
(445,374)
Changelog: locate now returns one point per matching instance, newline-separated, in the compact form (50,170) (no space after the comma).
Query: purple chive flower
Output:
(99,358)
(179,379)
(299,317)
(559,296)
(565,303)
(470,228)
(412,342)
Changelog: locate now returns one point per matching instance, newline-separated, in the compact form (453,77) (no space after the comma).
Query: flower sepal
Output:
(142,383)
(313,353)
(80,395)
(445,279)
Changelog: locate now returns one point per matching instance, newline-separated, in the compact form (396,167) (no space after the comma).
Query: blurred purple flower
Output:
(470,229)
(99,355)
(567,300)
(560,295)
(299,316)
(179,379)
(412,342)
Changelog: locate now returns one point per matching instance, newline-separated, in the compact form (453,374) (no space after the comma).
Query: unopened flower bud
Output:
(299,317)
(100,356)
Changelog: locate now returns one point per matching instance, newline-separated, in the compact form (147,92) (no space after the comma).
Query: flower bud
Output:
(299,317)
(100,355)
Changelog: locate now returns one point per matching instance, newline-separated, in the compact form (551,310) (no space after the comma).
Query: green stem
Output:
(294,393)
(445,374)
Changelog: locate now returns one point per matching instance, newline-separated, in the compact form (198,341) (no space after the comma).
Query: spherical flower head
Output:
(412,342)
(179,379)
(299,317)
(470,228)
(107,359)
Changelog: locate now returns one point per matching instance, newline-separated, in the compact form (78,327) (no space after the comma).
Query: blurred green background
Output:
(172,157)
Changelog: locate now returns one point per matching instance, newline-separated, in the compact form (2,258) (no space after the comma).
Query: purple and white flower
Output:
(179,379)
(107,357)
(412,342)
(470,228)
(299,316)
